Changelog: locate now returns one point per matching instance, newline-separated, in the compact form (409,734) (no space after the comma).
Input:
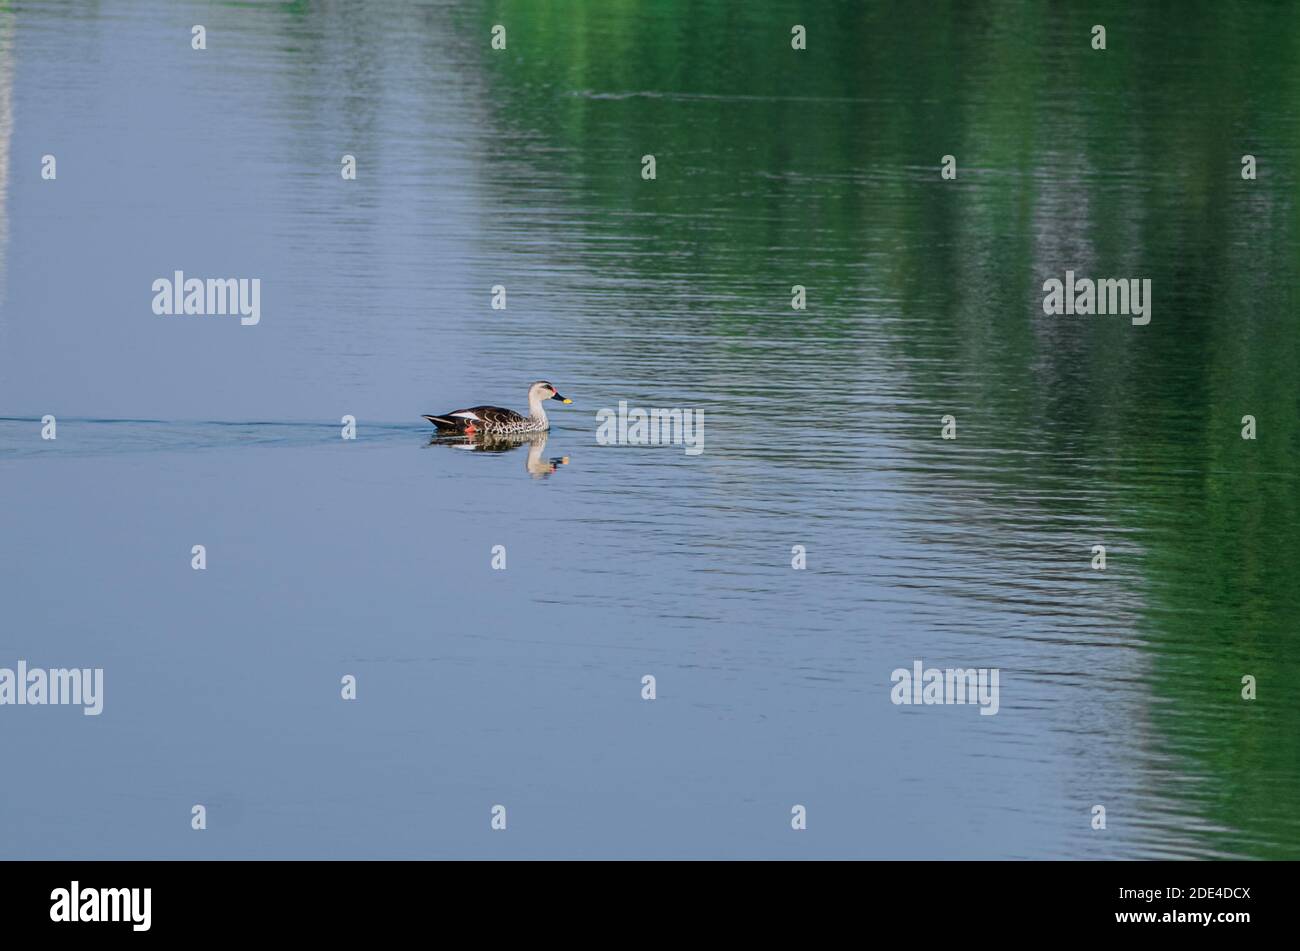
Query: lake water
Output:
(522,687)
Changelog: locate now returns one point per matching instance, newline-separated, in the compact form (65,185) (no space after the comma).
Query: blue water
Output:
(372,557)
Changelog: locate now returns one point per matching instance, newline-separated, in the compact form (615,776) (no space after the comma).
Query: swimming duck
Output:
(495,421)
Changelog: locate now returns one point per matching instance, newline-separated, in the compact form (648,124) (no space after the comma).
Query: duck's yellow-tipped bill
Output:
(566,400)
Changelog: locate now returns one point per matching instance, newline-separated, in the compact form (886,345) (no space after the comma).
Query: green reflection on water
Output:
(1123,163)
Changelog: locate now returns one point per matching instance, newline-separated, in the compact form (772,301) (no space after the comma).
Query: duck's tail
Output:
(442,422)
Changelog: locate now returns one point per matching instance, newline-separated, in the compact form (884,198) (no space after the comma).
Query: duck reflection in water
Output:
(537,466)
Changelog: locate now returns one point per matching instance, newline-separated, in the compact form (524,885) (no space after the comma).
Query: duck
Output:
(495,421)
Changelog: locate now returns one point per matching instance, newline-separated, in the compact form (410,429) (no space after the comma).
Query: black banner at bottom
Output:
(1219,901)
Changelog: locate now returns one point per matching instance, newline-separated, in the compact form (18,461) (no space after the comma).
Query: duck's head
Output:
(541,390)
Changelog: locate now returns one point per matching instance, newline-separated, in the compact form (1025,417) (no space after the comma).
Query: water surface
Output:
(523,687)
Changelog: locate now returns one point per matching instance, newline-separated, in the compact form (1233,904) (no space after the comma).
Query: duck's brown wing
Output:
(480,416)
